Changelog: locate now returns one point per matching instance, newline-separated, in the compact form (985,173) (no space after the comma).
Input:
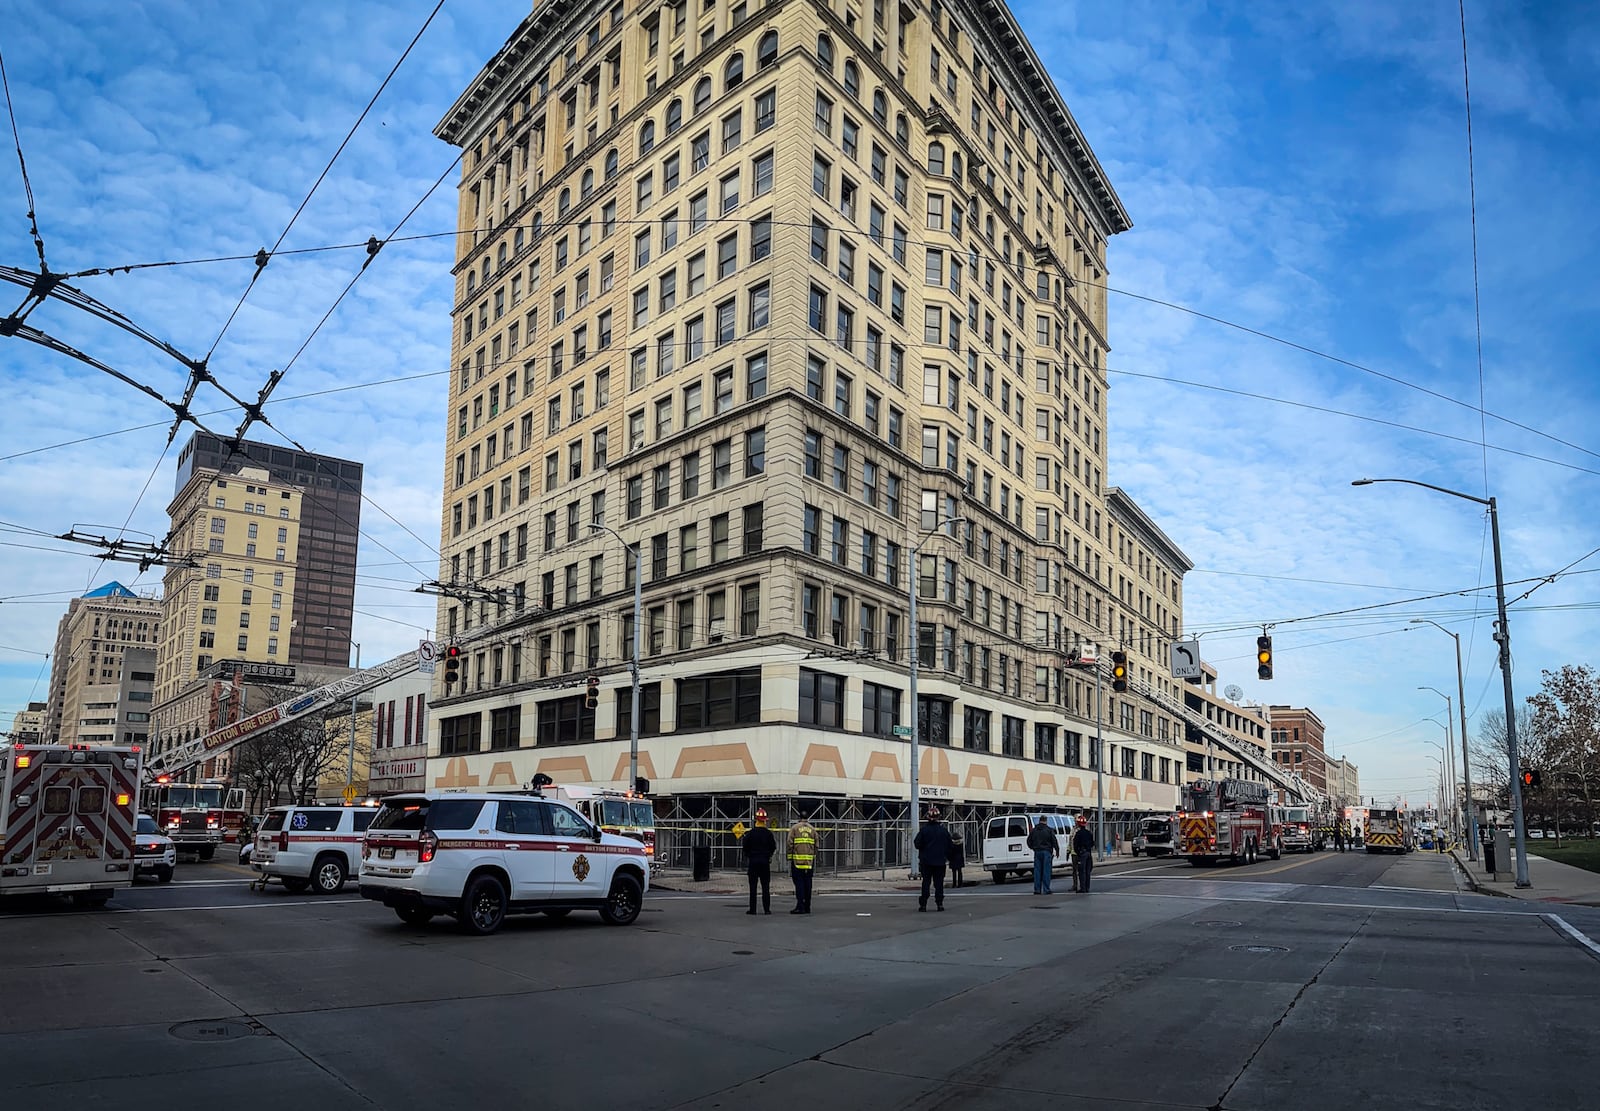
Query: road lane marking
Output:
(1576,934)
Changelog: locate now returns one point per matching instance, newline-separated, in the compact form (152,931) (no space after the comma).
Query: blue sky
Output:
(1300,171)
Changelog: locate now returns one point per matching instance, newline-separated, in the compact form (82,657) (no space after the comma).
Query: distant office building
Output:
(325,546)
(28,725)
(94,647)
(1344,782)
(1297,744)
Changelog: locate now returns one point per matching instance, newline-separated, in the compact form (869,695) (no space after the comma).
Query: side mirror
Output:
(598,834)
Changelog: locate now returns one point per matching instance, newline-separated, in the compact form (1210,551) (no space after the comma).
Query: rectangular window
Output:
(821,699)
(714,701)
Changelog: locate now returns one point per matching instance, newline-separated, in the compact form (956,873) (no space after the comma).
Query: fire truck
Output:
(1226,819)
(67,819)
(1386,832)
(1303,829)
(198,815)
(625,813)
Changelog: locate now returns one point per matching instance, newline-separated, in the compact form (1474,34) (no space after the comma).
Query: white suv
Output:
(153,850)
(481,856)
(315,846)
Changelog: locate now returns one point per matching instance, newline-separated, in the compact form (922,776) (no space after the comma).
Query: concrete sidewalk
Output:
(893,880)
(1552,881)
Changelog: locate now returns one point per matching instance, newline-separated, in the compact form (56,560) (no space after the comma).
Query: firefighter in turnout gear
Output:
(759,848)
(802,860)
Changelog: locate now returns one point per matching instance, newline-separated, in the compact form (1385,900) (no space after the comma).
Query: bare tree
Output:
(1566,712)
(1491,767)
(285,764)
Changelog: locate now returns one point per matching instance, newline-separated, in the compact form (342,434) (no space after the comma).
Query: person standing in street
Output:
(958,858)
(1042,840)
(933,854)
(1082,854)
(759,848)
(802,861)
(1338,838)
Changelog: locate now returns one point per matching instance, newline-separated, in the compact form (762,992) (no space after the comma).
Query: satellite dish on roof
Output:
(1234,692)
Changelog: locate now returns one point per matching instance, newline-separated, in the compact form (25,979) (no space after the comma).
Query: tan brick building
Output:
(775,290)
(94,683)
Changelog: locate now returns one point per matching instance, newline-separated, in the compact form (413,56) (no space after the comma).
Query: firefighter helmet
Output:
(761,817)
(933,813)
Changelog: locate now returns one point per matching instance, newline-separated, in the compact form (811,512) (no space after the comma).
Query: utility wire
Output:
(22,164)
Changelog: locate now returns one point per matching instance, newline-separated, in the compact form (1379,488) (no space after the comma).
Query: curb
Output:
(1472,882)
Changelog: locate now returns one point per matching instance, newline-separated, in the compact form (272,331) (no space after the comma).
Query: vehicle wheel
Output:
(483,906)
(1136,850)
(1194,862)
(557,912)
(207,852)
(414,916)
(1277,851)
(327,875)
(293,884)
(624,902)
(164,874)
(999,877)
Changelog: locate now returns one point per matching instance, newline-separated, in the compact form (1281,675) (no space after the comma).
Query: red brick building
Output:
(1297,744)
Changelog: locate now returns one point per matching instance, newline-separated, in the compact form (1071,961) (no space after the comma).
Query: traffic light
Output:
(1530,777)
(452,665)
(591,695)
(1263,657)
(1119,671)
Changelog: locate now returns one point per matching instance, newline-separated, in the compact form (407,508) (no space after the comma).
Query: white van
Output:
(1005,844)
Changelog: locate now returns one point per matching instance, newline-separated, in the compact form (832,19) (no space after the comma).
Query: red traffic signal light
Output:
(1119,671)
(1530,777)
(1263,657)
(591,694)
(452,664)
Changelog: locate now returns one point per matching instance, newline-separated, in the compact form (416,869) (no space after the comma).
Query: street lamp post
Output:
(1471,823)
(638,632)
(914,642)
(1450,741)
(1444,761)
(350,757)
(1503,638)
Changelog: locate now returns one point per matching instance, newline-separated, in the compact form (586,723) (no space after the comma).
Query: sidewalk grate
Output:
(1258,948)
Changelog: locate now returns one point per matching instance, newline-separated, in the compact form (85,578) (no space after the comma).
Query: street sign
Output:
(350,793)
(902,731)
(427,654)
(739,829)
(1186,659)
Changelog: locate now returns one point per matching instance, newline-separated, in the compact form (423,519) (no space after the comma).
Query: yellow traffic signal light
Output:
(1263,657)
(1119,671)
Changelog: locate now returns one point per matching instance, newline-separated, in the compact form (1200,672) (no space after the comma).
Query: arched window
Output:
(936,158)
(647,137)
(674,117)
(564,203)
(733,73)
(611,163)
(485,275)
(520,239)
(538,223)
(852,79)
(472,280)
(702,95)
(587,186)
(902,129)
(500,258)
(767,50)
(880,107)
(825,52)
(955,165)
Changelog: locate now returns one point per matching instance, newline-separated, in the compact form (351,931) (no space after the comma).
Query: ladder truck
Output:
(1226,819)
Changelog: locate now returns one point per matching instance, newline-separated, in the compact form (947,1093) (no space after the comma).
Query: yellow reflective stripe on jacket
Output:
(802,845)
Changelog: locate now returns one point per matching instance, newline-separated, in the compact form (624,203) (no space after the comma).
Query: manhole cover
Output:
(213,1030)
(1258,948)
(1218,923)
(1037,907)
(744,952)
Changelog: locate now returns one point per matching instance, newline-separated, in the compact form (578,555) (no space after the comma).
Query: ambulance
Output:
(67,820)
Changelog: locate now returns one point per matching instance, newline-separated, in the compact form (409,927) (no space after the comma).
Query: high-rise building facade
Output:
(29,724)
(324,553)
(806,301)
(103,667)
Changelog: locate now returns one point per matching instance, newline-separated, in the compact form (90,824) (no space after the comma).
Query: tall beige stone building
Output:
(776,291)
(102,668)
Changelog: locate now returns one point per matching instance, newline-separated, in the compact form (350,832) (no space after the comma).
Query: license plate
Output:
(386,852)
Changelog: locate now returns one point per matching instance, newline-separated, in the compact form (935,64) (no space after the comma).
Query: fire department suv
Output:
(67,820)
(480,856)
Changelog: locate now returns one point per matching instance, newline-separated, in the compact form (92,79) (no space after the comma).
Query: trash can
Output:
(1488,855)
(700,858)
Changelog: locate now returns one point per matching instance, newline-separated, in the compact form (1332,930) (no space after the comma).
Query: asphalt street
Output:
(1321,981)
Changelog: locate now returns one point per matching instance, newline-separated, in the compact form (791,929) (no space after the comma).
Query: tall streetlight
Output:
(350,757)
(1471,824)
(915,642)
(1442,766)
(638,632)
(1503,639)
(1450,741)
(1444,762)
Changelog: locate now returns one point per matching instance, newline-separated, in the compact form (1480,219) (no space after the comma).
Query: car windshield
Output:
(193,798)
(644,814)
(147,824)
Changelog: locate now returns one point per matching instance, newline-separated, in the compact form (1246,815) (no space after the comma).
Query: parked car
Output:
(153,851)
(315,846)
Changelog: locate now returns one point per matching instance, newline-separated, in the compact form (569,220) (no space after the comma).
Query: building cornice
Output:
(1127,513)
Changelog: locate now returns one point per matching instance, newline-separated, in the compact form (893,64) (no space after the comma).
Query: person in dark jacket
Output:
(1082,853)
(933,855)
(958,858)
(759,848)
(1042,840)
